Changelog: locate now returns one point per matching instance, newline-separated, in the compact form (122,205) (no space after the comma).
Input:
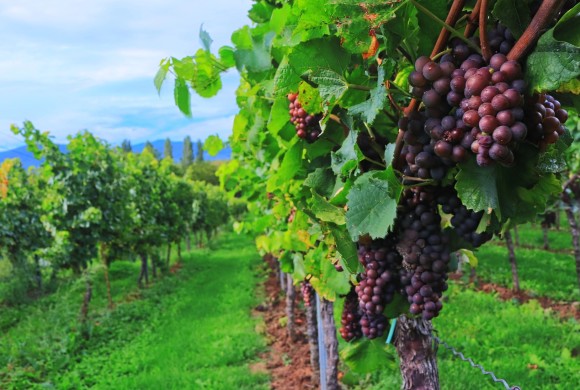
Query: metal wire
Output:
(472,363)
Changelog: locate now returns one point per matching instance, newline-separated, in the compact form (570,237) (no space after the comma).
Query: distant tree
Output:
(149,146)
(187,158)
(168,149)
(199,156)
(126,146)
(202,171)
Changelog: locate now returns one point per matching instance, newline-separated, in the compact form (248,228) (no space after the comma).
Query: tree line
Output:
(97,203)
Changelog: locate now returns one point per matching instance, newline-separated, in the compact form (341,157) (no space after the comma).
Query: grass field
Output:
(192,330)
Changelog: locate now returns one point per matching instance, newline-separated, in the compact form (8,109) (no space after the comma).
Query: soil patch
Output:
(564,310)
(287,361)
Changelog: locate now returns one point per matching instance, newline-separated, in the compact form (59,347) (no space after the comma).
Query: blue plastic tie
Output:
(391,331)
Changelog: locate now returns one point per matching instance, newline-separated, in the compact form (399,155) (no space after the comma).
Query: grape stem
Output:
(441,54)
(358,87)
(546,13)
(472,20)
(448,27)
(340,122)
(485,49)
(380,164)
(452,16)
(451,20)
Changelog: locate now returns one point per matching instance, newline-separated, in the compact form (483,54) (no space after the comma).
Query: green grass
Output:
(523,344)
(540,272)
(189,331)
(533,235)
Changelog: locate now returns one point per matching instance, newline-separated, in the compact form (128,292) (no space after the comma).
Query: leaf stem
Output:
(541,20)
(380,164)
(485,49)
(358,87)
(452,30)
(472,20)
(450,20)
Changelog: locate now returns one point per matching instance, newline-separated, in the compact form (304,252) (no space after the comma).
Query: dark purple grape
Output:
(416,79)
(443,149)
(497,60)
(431,98)
(500,102)
(488,123)
(420,63)
(486,109)
(512,70)
(432,71)
(471,118)
(488,93)
(502,135)
(506,117)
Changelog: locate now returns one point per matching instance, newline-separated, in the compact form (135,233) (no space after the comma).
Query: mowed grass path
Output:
(206,338)
(191,330)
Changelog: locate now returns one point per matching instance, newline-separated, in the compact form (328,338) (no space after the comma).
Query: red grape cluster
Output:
(463,220)
(471,105)
(379,280)
(350,319)
(378,284)
(307,293)
(425,250)
(307,126)
(545,119)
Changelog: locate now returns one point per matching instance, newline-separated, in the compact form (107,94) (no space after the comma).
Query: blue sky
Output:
(70,65)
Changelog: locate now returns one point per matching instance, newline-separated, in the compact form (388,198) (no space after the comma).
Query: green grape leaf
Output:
(346,159)
(371,210)
(161,75)
(213,144)
(369,109)
(568,27)
(476,186)
(515,194)
(206,40)
(257,58)
(561,58)
(365,356)
(428,31)
(182,97)
(279,115)
(319,54)
(554,159)
(227,57)
(325,211)
(206,79)
(327,281)
(286,79)
(322,181)
(290,167)
(514,14)
(331,85)
(299,272)
(345,247)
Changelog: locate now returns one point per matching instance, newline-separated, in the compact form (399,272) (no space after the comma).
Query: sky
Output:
(71,65)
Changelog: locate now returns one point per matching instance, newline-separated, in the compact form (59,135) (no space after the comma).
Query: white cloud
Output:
(69,65)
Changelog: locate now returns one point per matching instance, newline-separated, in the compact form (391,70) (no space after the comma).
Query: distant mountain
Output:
(28,159)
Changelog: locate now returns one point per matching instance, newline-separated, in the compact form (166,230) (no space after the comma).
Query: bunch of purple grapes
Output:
(464,221)
(378,283)
(350,319)
(545,119)
(425,250)
(307,293)
(418,150)
(307,125)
